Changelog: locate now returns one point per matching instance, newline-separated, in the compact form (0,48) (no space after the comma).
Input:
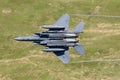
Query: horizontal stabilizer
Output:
(79,27)
(79,48)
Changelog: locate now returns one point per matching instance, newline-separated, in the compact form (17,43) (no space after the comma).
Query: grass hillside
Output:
(25,61)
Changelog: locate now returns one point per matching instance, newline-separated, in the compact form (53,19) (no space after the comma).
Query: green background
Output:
(25,61)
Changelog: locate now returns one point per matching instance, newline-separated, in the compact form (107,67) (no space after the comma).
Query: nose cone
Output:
(19,38)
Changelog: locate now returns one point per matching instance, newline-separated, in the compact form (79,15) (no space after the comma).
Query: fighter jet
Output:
(57,38)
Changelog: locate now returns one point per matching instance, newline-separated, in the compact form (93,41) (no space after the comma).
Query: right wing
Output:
(63,56)
(63,21)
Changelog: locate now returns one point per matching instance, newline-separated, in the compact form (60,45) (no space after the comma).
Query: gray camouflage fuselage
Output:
(57,38)
(51,39)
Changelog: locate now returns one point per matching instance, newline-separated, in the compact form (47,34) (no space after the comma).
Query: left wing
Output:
(63,21)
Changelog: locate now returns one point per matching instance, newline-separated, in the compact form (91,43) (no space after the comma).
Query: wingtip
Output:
(80,49)
(66,14)
(82,22)
(66,62)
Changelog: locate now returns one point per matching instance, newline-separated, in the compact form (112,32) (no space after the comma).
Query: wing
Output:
(63,55)
(63,21)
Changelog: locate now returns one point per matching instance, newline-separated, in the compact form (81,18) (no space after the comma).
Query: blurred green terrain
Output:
(25,61)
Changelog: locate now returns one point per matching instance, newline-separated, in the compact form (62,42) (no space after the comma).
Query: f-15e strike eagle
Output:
(58,38)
